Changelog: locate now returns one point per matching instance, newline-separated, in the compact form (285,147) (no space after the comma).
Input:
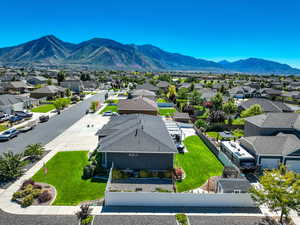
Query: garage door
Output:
(293,165)
(269,163)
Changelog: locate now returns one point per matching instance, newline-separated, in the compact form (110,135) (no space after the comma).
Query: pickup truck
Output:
(4,117)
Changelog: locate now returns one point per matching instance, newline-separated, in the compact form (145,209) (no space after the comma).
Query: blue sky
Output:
(209,29)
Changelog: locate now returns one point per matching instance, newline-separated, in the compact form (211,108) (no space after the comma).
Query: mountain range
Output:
(108,54)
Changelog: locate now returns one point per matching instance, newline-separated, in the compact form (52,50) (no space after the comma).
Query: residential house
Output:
(48,92)
(35,80)
(266,105)
(163,85)
(147,86)
(181,117)
(143,93)
(139,104)
(16,87)
(75,86)
(136,142)
(11,103)
(243,92)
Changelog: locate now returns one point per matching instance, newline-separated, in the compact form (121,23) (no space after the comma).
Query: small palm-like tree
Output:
(34,151)
(171,92)
(11,165)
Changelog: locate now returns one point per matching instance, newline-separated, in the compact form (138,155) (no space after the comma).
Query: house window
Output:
(133,154)
(237,191)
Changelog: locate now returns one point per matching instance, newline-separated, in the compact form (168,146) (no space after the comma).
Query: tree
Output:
(216,116)
(230,107)
(280,191)
(58,105)
(217,101)
(196,98)
(34,151)
(94,106)
(182,93)
(201,124)
(252,111)
(68,92)
(60,76)
(49,82)
(171,92)
(11,165)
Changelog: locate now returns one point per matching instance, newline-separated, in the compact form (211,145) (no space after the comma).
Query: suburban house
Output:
(136,142)
(75,86)
(266,105)
(143,93)
(271,151)
(273,138)
(48,92)
(10,103)
(271,93)
(233,185)
(90,84)
(181,117)
(138,105)
(271,124)
(163,85)
(16,87)
(147,86)
(243,92)
(34,80)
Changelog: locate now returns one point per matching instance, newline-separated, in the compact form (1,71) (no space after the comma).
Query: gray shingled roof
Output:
(229,185)
(49,89)
(138,104)
(267,105)
(276,120)
(143,92)
(163,84)
(282,144)
(136,133)
(147,86)
(8,100)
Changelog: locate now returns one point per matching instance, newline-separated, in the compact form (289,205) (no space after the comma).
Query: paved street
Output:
(45,132)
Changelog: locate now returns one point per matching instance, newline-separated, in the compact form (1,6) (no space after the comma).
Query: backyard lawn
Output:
(237,121)
(113,108)
(167,111)
(43,108)
(199,164)
(64,173)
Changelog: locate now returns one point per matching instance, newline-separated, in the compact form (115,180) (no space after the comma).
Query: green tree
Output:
(217,101)
(230,107)
(196,98)
(279,190)
(58,105)
(11,165)
(34,151)
(60,76)
(49,82)
(182,93)
(171,92)
(68,92)
(94,106)
(252,111)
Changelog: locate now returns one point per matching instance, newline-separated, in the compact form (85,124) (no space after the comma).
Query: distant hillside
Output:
(108,54)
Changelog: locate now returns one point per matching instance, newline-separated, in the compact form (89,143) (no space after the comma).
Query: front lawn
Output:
(3,128)
(237,121)
(113,108)
(43,108)
(167,111)
(199,164)
(213,134)
(64,173)
(115,101)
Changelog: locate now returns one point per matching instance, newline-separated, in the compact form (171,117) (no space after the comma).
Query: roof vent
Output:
(136,132)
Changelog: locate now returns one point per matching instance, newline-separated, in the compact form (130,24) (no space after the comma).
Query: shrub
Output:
(27,201)
(161,174)
(28,190)
(182,219)
(37,186)
(45,196)
(36,193)
(26,183)
(88,171)
(144,174)
(201,123)
(216,116)
(16,195)
(117,174)
(87,220)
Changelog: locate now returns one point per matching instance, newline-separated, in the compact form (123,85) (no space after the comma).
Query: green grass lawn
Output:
(238,133)
(237,121)
(167,111)
(199,164)
(213,134)
(116,101)
(112,108)
(43,108)
(64,173)
(161,100)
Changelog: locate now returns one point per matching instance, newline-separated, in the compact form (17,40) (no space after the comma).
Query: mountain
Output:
(259,66)
(99,53)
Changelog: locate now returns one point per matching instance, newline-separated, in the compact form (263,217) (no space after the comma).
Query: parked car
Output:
(43,119)
(115,114)
(180,148)
(29,126)
(108,113)
(4,117)
(8,134)
(13,119)
(23,114)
